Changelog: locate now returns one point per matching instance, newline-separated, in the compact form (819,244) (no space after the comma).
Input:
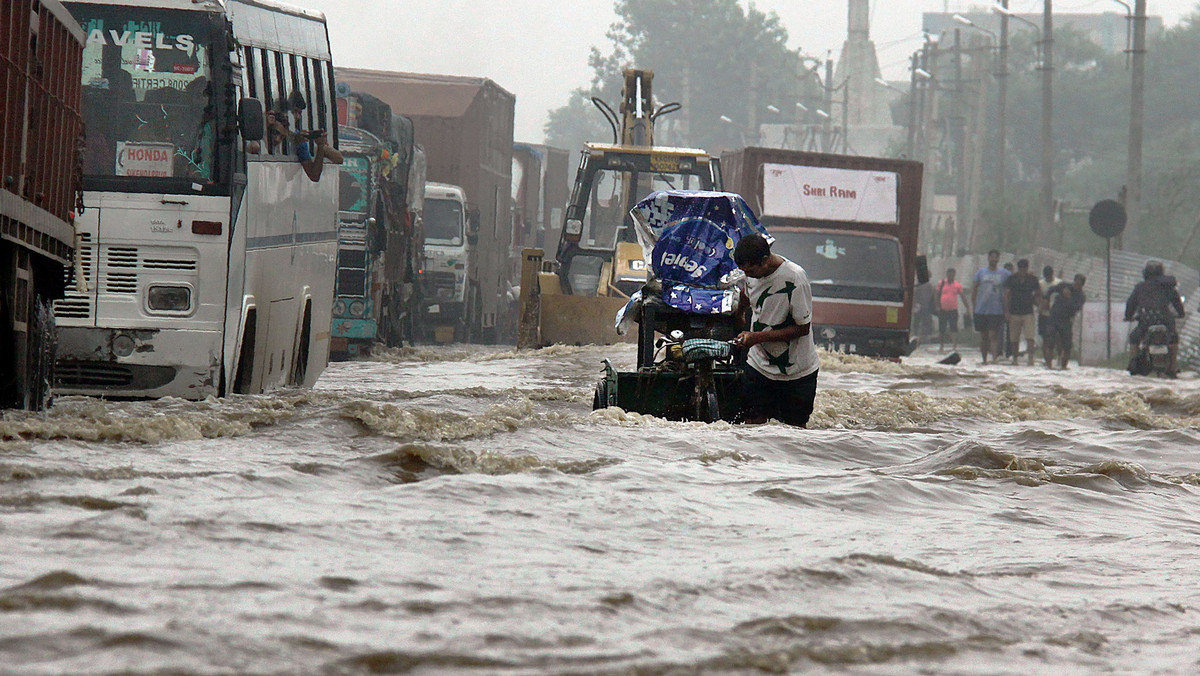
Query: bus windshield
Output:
(148,95)
(443,220)
(842,259)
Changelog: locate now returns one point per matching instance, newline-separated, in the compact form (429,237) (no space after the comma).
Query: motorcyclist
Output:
(1155,300)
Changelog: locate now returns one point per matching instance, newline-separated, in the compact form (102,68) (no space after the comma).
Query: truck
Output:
(851,222)
(465,125)
(541,189)
(380,237)
(598,263)
(41,136)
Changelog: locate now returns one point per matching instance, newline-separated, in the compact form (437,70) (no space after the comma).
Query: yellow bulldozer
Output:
(574,298)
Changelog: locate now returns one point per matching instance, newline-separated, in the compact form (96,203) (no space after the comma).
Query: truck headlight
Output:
(339,308)
(169,298)
(357,307)
(573,229)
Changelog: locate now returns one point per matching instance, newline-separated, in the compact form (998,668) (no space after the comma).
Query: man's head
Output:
(1048,272)
(1023,266)
(993,259)
(1153,269)
(1080,280)
(950,273)
(752,254)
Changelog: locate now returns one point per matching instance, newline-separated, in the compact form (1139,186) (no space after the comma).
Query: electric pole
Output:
(960,151)
(1001,114)
(1137,100)
(1047,229)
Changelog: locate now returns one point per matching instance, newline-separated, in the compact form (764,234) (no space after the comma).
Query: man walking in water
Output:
(987,301)
(779,379)
(1021,294)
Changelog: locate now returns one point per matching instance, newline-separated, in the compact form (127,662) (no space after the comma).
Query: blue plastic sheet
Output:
(688,237)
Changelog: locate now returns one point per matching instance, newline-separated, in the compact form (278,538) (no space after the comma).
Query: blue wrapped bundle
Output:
(688,237)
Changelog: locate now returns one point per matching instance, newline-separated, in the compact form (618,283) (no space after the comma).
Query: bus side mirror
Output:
(251,120)
(473,226)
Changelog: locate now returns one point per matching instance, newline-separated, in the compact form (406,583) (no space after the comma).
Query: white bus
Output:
(208,256)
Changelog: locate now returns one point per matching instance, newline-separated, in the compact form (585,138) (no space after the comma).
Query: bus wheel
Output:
(300,367)
(245,366)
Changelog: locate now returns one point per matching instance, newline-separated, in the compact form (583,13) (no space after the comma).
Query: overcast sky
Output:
(537,49)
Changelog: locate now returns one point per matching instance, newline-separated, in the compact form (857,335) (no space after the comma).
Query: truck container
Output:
(851,222)
(541,189)
(465,125)
(41,133)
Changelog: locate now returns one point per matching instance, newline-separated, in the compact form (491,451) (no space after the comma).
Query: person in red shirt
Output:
(949,293)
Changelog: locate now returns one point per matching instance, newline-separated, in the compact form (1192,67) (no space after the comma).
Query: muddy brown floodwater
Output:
(462,510)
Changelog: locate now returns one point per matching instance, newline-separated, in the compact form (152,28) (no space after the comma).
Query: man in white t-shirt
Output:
(780,377)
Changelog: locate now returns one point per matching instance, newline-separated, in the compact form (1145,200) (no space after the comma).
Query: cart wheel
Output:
(600,398)
(712,410)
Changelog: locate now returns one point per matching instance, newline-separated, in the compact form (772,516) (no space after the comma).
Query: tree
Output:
(713,56)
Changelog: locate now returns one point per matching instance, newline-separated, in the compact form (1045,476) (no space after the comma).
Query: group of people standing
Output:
(1007,305)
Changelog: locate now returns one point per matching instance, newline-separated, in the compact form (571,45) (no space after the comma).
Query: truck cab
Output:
(446,278)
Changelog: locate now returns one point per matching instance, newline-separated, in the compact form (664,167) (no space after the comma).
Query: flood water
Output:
(462,510)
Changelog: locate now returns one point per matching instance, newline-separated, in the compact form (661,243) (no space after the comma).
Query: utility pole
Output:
(829,102)
(960,150)
(1001,114)
(1137,101)
(912,108)
(846,116)
(1047,228)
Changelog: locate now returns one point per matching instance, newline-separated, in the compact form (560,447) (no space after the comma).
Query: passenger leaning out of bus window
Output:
(312,147)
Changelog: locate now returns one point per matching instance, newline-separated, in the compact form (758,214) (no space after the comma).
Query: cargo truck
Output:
(852,223)
(41,133)
(465,125)
(380,240)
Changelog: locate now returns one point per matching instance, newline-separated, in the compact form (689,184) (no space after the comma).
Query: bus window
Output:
(319,96)
(306,86)
(250,73)
(149,104)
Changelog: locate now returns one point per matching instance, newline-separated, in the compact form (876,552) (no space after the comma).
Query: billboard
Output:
(825,194)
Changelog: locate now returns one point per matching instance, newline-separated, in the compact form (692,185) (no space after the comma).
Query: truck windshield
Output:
(608,209)
(443,221)
(354,184)
(148,97)
(842,259)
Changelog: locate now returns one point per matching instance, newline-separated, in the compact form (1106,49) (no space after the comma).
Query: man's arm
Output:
(1131,305)
(784,335)
(1178,303)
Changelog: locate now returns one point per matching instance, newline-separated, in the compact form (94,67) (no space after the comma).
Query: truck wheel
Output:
(43,343)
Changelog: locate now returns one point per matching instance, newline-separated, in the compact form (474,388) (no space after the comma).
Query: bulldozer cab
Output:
(598,263)
(597,251)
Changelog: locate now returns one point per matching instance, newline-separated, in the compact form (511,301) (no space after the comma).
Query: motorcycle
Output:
(1150,348)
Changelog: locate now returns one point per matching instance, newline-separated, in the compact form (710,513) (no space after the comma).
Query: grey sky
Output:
(538,49)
